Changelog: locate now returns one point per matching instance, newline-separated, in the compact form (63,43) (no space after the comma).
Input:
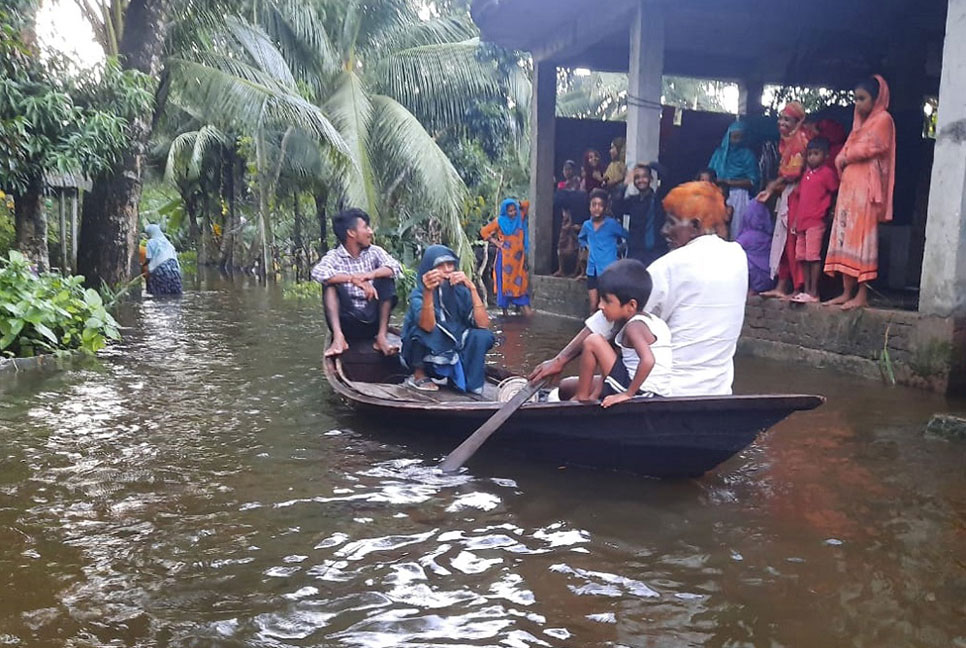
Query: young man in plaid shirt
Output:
(359,281)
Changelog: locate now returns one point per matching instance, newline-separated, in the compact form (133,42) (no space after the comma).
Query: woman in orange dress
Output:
(867,168)
(509,233)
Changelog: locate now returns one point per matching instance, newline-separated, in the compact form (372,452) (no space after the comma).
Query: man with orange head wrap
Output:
(699,289)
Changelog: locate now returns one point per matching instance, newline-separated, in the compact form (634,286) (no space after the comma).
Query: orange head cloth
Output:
(524,208)
(700,201)
(794,109)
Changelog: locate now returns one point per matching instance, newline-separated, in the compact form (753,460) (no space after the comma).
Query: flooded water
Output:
(201,486)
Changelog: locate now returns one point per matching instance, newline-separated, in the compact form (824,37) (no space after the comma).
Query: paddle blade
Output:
(468,448)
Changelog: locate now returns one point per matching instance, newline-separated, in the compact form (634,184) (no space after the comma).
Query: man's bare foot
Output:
(558,273)
(383,346)
(838,301)
(854,303)
(338,347)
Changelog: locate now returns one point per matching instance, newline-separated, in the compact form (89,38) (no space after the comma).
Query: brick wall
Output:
(916,350)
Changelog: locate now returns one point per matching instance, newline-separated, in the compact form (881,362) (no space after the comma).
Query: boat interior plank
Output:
(404,393)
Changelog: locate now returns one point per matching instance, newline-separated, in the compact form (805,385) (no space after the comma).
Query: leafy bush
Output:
(188,260)
(303,290)
(313,289)
(48,313)
(406,283)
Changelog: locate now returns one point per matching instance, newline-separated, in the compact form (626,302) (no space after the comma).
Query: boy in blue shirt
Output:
(600,235)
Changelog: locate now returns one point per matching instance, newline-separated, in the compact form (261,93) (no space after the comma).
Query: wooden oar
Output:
(465,450)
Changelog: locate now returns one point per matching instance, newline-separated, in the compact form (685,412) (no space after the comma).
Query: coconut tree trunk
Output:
(299,252)
(191,202)
(231,226)
(321,198)
(108,240)
(31,224)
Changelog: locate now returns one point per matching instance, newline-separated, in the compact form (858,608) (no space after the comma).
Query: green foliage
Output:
(303,290)
(188,260)
(49,312)
(406,283)
(54,122)
(348,99)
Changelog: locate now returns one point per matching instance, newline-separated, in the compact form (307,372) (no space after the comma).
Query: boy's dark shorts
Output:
(591,282)
(618,380)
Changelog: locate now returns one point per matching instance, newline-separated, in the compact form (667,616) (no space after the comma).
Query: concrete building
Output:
(919,47)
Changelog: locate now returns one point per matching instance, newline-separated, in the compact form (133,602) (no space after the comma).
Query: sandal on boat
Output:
(804,298)
(422,384)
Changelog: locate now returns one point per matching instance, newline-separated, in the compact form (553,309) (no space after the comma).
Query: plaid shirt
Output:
(339,261)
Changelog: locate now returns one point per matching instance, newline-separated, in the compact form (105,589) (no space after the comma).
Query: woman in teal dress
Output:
(445,335)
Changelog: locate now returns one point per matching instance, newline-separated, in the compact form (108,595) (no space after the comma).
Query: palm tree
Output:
(193,161)
(378,72)
(243,83)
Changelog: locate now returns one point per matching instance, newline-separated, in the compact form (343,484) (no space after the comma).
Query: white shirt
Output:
(700,291)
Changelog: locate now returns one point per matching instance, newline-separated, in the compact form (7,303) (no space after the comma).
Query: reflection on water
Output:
(202,486)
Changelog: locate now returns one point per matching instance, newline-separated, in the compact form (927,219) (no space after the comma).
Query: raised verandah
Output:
(834,50)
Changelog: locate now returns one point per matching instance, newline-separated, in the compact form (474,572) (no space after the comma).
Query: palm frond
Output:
(351,112)
(299,30)
(258,46)
(176,153)
(409,34)
(438,82)
(403,147)
(229,100)
(208,139)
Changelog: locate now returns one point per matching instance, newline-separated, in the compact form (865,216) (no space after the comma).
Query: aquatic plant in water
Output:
(47,313)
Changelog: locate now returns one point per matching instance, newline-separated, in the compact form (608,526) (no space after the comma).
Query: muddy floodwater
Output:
(200,485)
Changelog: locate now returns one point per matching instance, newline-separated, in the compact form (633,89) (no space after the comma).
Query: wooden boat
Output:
(667,437)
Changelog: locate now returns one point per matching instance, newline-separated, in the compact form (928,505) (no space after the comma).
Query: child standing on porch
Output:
(600,236)
(809,221)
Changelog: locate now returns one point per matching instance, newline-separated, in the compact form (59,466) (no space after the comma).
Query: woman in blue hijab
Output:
(737,168)
(445,334)
(164,272)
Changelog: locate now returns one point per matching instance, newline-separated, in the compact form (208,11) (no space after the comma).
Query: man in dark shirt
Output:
(645,217)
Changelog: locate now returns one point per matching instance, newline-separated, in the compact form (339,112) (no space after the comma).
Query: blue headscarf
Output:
(453,304)
(450,350)
(509,226)
(159,248)
(734,163)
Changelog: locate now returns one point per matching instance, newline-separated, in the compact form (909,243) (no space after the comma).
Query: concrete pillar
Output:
(943,288)
(749,97)
(542,132)
(645,68)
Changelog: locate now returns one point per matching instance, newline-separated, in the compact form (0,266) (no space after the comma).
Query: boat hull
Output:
(667,437)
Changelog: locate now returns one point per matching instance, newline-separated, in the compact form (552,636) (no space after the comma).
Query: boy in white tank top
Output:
(641,366)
